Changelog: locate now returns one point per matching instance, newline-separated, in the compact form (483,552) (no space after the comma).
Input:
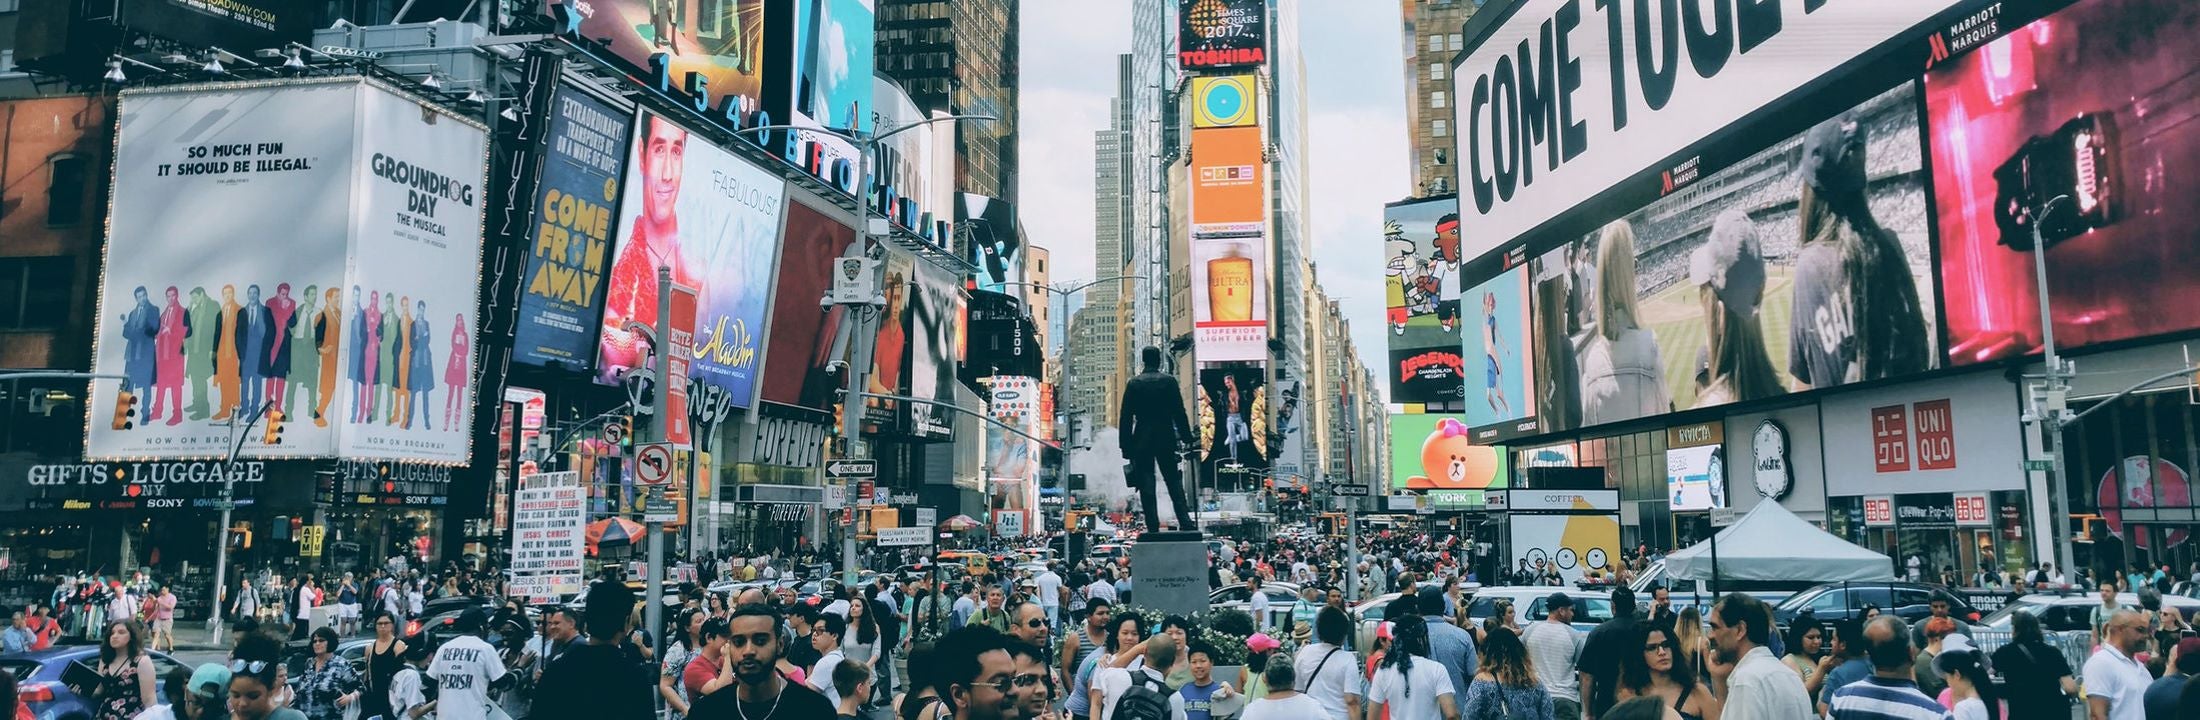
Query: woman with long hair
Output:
(255,681)
(1124,635)
(1657,672)
(1970,693)
(1937,630)
(687,639)
(862,640)
(1806,644)
(1850,268)
(1409,684)
(127,683)
(327,684)
(1622,377)
(1690,640)
(1731,291)
(1260,649)
(385,656)
(921,699)
(1504,685)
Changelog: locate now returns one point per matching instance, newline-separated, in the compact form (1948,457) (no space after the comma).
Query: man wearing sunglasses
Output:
(759,692)
(1027,621)
(1030,689)
(976,674)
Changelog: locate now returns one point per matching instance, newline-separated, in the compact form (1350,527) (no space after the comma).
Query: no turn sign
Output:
(653,464)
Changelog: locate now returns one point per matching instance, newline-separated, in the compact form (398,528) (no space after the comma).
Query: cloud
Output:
(1350,183)
(1067,65)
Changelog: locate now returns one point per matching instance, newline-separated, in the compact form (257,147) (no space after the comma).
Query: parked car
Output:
(39,681)
(1846,601)
(2065,617)
(1591,607)
(1281,595)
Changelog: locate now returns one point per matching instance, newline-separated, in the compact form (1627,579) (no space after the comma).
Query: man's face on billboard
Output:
(663,156)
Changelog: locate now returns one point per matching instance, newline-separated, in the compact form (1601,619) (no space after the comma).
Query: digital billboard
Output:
(937,317)
(1496,351)
(239,26)
(721,40)
(1214,34)
(713,219)
(311,249)
(1421,304)
(1010,457)
(2087,104)
(1229,223)
(1233,418)
(828,64)
(918,163)
(1221,101)
(889,373)
(993,241)
(583,160)
(1560,100)
(1695,477)
(803,334)
(1436,452)
(1804,264)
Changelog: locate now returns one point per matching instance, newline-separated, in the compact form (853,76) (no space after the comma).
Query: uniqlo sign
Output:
(1891,439)
(1933,423)
(1970,507)
(1878,511)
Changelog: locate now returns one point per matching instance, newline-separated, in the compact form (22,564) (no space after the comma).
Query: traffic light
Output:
(626,433)
(125,409)
(274,433)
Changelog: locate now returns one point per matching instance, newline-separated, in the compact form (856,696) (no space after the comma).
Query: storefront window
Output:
(1929,538)
(2130,486)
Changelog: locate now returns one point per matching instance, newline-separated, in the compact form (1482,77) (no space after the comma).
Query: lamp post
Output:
(851,426)
(2050,405)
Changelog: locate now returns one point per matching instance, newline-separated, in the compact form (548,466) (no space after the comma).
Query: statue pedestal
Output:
(1169,572)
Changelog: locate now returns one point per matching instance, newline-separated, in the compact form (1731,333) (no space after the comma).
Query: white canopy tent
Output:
(1771,544)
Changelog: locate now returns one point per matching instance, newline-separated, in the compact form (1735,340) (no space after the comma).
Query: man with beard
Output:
(1758,686)
(598,679)
(759,693)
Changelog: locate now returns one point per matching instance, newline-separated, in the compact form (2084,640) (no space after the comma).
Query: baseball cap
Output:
(1558,601)
(1382,630)
(1833,156)
(1731,261)
(208,680)
(1955,648)
(1261,642)
(474,618)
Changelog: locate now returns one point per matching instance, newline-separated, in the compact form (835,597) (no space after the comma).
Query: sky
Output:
(1355,122)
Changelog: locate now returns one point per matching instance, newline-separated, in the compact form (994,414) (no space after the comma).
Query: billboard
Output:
(1577,544)
(583,160)
(937,318)
(1805,264)
(1421,303)
(720,40)
(1015,401)
(1496,347)
(1223,101)
(713,219)
(829,65)
(889,373)
(2022,120)
(918,164)
(1695,477)
(1233,417)
(239,26)
(1436,452)
(804,335)
(993,240)
(309,248)
(1213,34)
(1563,99)
(1229,219)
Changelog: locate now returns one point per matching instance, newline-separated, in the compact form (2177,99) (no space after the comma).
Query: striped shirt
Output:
(1878,698)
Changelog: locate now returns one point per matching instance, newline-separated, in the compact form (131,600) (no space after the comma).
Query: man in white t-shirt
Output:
(1554,649)
(1258,602)
(1050,595)
(466,669)
(1101,587)
(825,635)
(2115,684)
(1113,682)
(1328,670)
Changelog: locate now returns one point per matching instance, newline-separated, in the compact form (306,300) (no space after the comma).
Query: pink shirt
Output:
(164,607)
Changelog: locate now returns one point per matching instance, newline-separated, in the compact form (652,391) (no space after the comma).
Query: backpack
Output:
(1147,699)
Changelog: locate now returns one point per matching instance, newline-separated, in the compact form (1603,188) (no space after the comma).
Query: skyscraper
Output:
(1432,36)
(960,56)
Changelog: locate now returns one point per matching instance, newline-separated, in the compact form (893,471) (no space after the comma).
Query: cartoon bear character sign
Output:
(1450,462)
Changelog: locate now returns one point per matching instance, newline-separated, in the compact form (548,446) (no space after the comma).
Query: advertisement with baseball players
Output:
(713,219)
(252,288)
(1496,349)
(2068,136)
(582,163)
(1806,264)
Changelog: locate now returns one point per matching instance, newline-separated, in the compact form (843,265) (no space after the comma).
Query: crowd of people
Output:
(1062,640)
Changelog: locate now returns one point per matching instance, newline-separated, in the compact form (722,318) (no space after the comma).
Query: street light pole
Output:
(2050,405)
(1069,336)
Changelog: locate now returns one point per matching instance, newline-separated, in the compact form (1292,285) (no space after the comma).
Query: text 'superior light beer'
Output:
(1230,286)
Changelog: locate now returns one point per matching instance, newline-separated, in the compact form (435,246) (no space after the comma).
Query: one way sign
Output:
(1346,489)
(845,469)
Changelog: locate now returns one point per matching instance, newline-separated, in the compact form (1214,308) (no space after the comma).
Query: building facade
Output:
(1432,36)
